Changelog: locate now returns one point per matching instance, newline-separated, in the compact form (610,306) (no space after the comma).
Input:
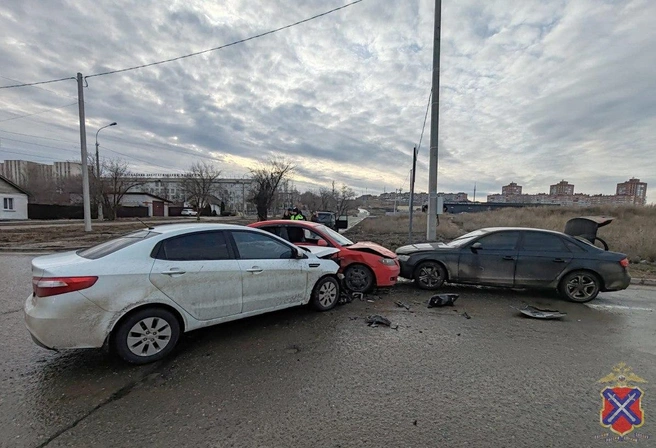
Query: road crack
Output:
(11,311)
(122,392)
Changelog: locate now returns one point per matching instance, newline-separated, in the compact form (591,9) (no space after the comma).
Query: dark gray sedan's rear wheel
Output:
(430,275)
(580,286)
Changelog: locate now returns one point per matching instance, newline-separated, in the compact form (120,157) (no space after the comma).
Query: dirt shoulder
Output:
(70,235)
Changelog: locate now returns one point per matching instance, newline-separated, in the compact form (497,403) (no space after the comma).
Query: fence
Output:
(53,211)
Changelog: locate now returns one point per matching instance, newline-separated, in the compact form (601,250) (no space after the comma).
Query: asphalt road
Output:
(301,378)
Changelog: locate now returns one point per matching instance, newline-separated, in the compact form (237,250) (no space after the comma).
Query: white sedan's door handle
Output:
(174,272)
(255,270)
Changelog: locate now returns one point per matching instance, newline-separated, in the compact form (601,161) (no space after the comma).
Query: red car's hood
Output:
(368,246)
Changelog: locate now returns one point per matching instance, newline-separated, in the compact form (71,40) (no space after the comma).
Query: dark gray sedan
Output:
(517,258)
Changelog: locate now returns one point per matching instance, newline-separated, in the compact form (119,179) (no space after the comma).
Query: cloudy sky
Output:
(532,91)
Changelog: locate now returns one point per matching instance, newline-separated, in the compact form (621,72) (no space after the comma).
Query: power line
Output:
(38,144)
(37,113)
(425,117)
(179,151)
(36,83)
(38,136)
(133,157)
(40,88)
(163,147)
(23,153)
(227,45)
(257,36)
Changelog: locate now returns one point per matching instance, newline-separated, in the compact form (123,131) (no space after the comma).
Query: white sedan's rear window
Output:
(111,246)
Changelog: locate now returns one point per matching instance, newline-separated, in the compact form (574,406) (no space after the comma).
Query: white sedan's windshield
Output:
(338,237)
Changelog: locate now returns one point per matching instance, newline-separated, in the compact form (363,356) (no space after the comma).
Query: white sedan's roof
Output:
(168,228)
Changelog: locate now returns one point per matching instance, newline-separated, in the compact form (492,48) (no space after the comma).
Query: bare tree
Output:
(115,181)
(311,200)
(327,199)
(344,199)
(69,189)
(199,184)
(266,179)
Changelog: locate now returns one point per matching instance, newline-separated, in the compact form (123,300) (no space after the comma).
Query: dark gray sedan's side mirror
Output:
(475,247)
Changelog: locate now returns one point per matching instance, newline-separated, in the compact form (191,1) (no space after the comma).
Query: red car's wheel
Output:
(358,278)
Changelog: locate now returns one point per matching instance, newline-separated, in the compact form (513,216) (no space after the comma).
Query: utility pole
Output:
(431,221)
(412,191)
(83,150)
(474,191)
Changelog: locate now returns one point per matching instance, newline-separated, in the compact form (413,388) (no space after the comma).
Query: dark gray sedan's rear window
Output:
(111,246)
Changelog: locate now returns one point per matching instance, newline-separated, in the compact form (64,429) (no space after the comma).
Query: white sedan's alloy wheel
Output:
(327,293)
(149,336)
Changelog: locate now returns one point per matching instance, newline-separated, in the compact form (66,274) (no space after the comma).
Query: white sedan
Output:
(139,292)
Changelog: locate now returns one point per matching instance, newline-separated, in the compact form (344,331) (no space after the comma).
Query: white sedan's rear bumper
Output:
(66,321)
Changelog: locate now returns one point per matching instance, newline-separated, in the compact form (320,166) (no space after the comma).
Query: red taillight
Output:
(51,286)
(625,263)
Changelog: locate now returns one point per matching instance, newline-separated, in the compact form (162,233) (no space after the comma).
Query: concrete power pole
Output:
(431,221)
(83,148)
(412,192)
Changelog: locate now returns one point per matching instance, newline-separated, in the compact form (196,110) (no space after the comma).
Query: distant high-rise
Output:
(631,192)
(21,171)
(512,189)
(633,187)
(562,188)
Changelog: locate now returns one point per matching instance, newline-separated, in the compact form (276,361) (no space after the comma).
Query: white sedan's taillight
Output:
(51,286)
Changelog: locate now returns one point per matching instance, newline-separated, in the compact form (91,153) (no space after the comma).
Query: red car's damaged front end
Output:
(365,265)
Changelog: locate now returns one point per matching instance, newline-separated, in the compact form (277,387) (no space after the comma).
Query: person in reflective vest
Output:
(297,215)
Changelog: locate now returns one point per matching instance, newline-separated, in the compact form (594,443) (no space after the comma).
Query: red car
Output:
(365,265)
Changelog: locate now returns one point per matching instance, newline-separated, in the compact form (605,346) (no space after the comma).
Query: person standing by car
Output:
(297,215)
(287,214)
(314,217)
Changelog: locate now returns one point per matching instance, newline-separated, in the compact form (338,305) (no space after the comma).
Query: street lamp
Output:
(100,211)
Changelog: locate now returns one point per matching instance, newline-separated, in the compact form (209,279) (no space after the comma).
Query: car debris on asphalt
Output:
(465,315)
(538,313)
(375,320)
(442,300)
(402,305)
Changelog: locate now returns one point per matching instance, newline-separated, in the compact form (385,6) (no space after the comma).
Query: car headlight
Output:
(403,257)
(387,261)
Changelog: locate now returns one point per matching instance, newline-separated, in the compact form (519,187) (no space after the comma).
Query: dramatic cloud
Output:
(532,91)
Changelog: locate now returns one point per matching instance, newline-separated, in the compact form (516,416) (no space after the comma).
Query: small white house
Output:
(13,200)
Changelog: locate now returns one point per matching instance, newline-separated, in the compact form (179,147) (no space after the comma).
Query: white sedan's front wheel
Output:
(325,294)
(146,335)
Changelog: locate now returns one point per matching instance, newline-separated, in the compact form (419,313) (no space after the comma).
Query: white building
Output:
(13,200)
(63,170)
(20,171)
(234,192)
